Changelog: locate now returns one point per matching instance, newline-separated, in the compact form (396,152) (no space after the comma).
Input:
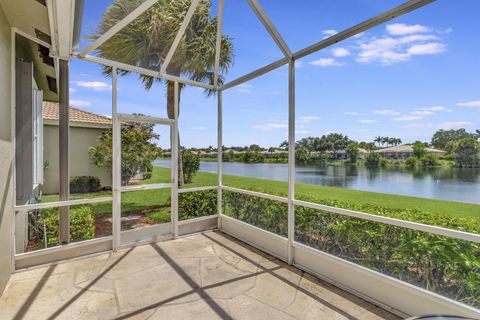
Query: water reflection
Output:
(436,183)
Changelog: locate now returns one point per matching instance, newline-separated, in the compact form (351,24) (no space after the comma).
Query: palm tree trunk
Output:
(171,115)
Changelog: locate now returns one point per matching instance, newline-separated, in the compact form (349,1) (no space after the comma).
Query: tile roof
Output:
(407,148)
(50,112)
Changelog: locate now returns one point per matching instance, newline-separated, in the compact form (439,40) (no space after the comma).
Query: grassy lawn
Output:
(318,193)
(155,203)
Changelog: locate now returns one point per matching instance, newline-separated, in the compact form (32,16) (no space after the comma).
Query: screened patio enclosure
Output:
(282,237)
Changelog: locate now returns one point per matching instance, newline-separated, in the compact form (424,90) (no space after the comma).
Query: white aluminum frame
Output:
(119,26)
(262,16)
(123,237)
(174,161)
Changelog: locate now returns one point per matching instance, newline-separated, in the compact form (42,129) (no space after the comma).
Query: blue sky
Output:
(403,79)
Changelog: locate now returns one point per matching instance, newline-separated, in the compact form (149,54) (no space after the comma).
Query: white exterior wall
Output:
(81,138)
(6,154)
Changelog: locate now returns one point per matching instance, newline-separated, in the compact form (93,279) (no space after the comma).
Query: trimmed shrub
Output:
(372,159)
(264,213)
(147,175)
(411,162)
(429,160)
(197,204)
(191,164)
(383,162)
(82,224)
(84,184)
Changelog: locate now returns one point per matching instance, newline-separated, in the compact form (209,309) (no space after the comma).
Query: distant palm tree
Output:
(378,140)
(385,141)
(146,41)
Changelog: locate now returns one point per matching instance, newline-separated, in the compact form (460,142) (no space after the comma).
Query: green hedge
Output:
(84,184)
(441,264)
(197,204)
(263,213)
(82,224)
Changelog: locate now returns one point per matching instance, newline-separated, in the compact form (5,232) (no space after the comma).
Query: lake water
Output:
(434,183)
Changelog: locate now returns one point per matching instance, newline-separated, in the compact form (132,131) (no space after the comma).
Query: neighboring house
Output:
(273,154)
(84,129)
(405,151)
(340,154)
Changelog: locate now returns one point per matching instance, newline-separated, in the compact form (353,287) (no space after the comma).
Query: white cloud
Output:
(329,32)
(340,52)
(326,62)
(72,90)
(443,125)
(298,64)
(244,88)
(426,48)
(386,112)
(359,35)
(399,29)
(94,85)
(352,113)
(435,109)
(199,128)
(422,113)
(407,118)
(80,103)
(402,43)
(307,119)
(417,38)
(271,125)
(367,121)
(453,124)
(469,104)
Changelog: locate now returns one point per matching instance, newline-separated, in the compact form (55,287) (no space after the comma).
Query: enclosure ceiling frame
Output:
(267,23)
(348,33)
(119,26)
(144,71)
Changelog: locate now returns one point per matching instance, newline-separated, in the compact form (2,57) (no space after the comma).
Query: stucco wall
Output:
(80,140)
(6,155)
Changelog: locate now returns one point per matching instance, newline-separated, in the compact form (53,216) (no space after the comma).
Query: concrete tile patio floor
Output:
(204,276)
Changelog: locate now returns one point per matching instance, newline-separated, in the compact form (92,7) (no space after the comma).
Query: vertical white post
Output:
(174,167)
(219,158)
(117,166)
(64,150)
(291,158)
(13,35)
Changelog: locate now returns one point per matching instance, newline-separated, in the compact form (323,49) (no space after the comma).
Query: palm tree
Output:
(378,140)
(385,141)
(146,41)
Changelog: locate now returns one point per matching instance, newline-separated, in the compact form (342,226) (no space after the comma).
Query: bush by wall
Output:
(84,184)
(264,213)
(82,224)
(197,204)
(147,175)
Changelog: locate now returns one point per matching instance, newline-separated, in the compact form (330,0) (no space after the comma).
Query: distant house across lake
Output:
(405,151)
